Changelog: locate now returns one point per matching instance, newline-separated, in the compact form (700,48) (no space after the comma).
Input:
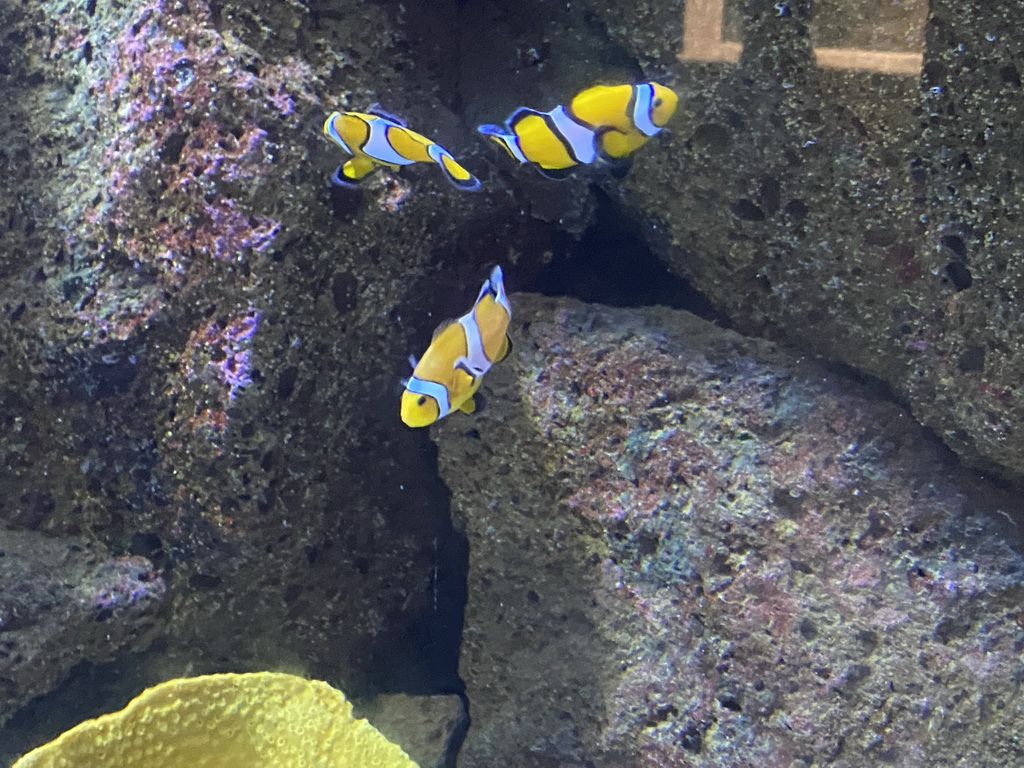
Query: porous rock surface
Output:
(202,340)
(689,548)
(873,217)
(64,600)
(428,728)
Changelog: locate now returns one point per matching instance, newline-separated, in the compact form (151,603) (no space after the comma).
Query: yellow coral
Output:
(226,721)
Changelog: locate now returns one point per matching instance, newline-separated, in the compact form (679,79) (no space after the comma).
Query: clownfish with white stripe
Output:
(376,140)
(604,122)
(462,351)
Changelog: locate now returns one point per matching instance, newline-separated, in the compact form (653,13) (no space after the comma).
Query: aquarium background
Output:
(746,492)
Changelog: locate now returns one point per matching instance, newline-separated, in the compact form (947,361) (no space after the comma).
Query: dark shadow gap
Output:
(424,659)
(613,263)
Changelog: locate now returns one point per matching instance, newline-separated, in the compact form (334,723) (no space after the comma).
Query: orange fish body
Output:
(461,352)
(374,141)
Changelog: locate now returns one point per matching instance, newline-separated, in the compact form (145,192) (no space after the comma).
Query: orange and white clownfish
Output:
(374,140)
(604,122)
(461,352)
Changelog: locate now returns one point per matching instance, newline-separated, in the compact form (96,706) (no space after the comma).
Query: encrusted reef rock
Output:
(859,203)
(691,549)
(842,176)
(229,720)
(202,340)
(428,728)
(64,600)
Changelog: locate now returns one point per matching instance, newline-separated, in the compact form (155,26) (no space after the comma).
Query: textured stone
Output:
(202,340)
(428,728)
(64,601)
(692,549)
(872,218)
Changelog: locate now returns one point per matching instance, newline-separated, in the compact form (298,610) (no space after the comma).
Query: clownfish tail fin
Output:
(490,129)
(504,138)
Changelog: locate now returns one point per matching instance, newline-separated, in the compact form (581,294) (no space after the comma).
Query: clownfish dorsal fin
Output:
(440,329)
(521,114)
(378,111)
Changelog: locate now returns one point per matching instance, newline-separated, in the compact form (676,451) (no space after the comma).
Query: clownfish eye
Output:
(658,101)
(421,400)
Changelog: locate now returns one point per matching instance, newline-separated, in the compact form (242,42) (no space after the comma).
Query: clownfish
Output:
(461,352)
(604,122)
(375,140)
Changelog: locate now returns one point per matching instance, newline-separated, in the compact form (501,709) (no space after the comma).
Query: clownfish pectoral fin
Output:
(355,168)
(614,150)
(338,179)
(458,176)
(462,364)
(470,405)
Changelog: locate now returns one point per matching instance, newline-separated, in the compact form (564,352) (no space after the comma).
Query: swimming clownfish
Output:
(461,352)
(375,140)
(604,122)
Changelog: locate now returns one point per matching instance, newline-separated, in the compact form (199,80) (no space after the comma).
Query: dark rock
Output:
(771,568)
(52,592)
(926,158)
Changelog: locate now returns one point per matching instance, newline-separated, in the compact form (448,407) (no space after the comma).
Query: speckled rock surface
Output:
(426,727)
(64,600)
(871,217)
(202,341)
(868,215)
(689,549)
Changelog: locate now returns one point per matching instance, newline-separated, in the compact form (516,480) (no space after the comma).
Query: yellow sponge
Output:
(226,721)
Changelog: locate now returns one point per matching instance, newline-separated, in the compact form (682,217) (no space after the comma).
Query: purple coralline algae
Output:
(226,350)
(182,291)
(123,581)
(692,549)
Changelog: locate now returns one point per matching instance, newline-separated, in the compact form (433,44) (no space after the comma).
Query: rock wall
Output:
(202,340)
(688,548)
(871,216)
